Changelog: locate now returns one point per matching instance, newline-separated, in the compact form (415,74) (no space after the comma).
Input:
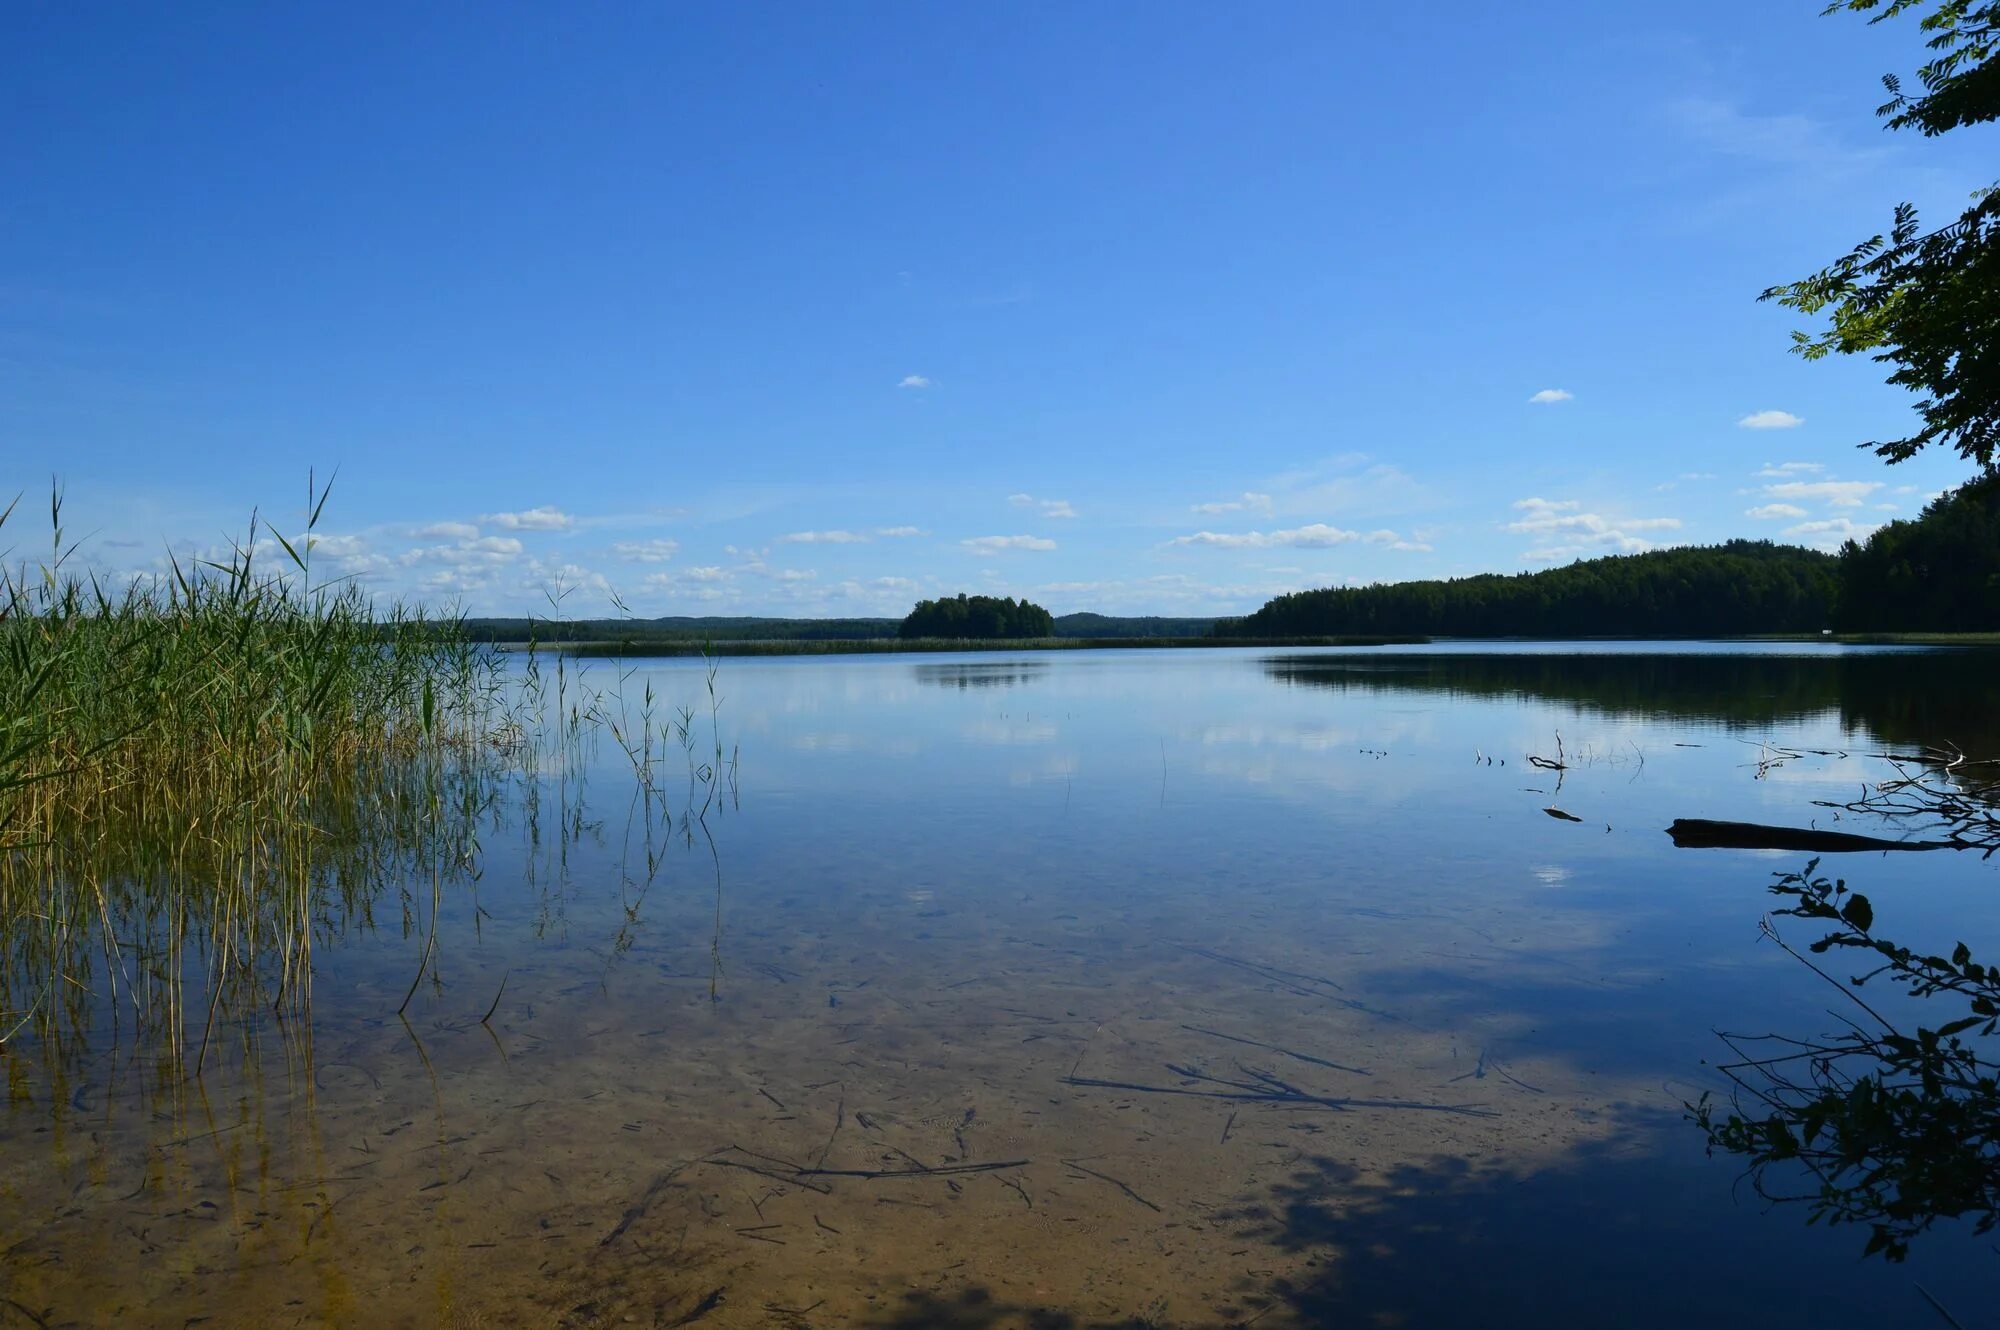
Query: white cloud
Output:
(1335,486)
(1771,420)
(1564,532)
(995,544)
(1049,507)
(1250,502)
(445,531)
(1838,493)
(1389,540)
(1832,532)
(1789,470)
(914,381)
(545,518)
(824,538)
(1772,511)
(897,532)
(646,551)
(1316,536)
(1550,396)
(1698,475)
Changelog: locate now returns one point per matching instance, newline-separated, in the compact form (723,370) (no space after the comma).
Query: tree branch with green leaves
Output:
(1926,302)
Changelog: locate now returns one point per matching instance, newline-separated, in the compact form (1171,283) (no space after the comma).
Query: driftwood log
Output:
(1695,833)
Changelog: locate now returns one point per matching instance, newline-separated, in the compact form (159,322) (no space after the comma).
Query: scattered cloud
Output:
(444,531)
(914,381)
(1316,536)
(1251,502)
(824,538)
(899,532)
(1789,470)
(1772,511)
(1832,532)
(995,544)
(1699,475)
(1838,493)
(545,518)
(1346,484)
(1778,159)
(1048,507)
(1771,420)
(1550,396)
(1562,531)
(646,551)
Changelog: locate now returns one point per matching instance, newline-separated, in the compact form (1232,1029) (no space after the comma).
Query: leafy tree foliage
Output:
(1926,302)
(977,616)
(1940,573)
(1742,587)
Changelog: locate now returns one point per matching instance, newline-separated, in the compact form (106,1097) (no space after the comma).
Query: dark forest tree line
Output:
(1742,587)
(963,616)
(1937,573)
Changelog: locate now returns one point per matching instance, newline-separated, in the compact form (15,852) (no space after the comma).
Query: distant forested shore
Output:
(1936,574)
(1742,588)
(738,629)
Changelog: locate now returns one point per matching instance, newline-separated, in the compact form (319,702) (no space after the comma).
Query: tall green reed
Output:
(202,770)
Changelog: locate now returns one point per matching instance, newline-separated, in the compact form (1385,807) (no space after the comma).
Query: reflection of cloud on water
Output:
(1551,875)
(1002,732)
(837,742)
(1313,738)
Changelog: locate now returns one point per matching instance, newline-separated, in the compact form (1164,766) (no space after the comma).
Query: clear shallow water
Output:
(1059,922)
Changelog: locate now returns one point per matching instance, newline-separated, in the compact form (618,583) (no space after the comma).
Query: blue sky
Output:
(815,309)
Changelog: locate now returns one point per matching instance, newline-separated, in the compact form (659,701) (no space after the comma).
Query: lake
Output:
(1150,988)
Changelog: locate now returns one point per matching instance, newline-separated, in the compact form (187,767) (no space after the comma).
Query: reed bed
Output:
(204,772)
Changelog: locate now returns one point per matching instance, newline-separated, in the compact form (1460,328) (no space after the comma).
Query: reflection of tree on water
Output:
(1873,1126)
(1899,697)
(981,674)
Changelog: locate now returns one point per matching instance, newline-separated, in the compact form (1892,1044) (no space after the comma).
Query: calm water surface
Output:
(1180,988)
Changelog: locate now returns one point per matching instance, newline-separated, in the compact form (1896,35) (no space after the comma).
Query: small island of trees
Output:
(965,616)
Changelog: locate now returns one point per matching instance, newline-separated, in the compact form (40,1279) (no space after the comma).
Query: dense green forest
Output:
(1744,586)
(1939,573)
(963,616)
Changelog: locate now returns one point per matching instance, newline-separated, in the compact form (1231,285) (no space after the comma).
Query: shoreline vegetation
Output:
(641,647)
(199,773)
(209,777)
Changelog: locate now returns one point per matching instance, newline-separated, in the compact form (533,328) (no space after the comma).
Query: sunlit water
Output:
(1045,934)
